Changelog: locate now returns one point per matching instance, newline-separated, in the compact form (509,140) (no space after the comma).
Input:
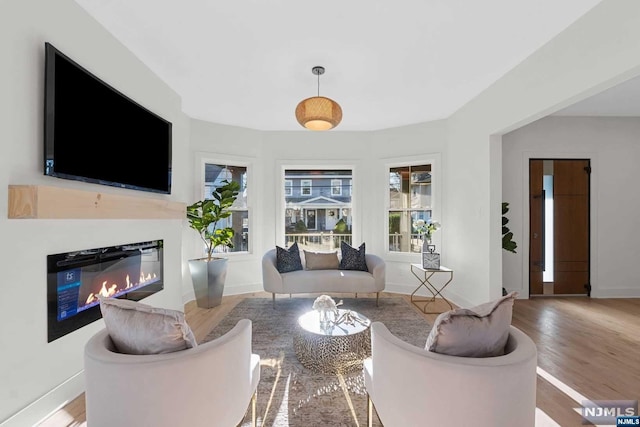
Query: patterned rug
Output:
(290,395)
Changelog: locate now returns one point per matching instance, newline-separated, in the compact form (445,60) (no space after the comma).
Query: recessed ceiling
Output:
(622,100)
(388,63)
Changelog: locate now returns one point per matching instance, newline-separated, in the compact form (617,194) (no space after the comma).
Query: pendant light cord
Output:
(318,84)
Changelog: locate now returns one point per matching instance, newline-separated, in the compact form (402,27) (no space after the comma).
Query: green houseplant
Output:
(507,235)
(208,274)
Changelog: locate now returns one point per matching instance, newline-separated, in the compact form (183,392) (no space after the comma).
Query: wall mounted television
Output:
(94,133)
(75,280)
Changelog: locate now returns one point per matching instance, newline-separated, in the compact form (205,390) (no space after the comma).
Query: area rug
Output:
(290,395)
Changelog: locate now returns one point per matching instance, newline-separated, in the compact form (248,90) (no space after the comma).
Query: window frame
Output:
(338,185)
(303,186)
(433,159)
(203,158)
(288,187)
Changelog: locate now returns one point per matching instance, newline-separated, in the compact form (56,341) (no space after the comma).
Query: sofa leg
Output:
(369,411)
(377,299)
(273,298)
(356,295)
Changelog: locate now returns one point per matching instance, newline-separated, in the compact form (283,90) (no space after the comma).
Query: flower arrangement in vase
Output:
(324,304)
(426,229)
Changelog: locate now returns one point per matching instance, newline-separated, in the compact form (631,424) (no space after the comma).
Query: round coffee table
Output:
(332,348)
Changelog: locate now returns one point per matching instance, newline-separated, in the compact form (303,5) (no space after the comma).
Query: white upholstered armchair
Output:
(411,386)
(211,384)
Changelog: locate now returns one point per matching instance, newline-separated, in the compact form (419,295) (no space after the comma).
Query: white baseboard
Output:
(228,290)
(401,288)
(615,293)
(243,289)
(46,405)
(190,295)
(397,288)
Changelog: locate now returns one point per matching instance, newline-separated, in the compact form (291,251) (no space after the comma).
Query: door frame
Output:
(593,204)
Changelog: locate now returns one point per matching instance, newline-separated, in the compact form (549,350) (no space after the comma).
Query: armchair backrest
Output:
(413,386)
(202,386)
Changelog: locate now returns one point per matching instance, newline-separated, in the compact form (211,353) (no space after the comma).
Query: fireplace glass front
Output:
(76,279)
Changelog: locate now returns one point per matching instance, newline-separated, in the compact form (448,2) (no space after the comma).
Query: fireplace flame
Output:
(103,292)
(113,289)
(146,278)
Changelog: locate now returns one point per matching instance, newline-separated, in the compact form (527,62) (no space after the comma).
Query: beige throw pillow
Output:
(481,331)
(136,328)
(321,260)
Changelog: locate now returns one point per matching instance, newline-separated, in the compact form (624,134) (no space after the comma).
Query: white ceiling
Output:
(389,63)
(622,100)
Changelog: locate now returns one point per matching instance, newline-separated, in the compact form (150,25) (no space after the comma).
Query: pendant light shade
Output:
(318,112)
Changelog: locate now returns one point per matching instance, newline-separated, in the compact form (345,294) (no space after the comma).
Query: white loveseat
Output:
(323,281)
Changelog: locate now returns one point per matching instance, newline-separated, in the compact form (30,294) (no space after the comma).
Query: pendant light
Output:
(318,112)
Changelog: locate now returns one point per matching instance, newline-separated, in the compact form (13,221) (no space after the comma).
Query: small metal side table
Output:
(332,348)
(424,276)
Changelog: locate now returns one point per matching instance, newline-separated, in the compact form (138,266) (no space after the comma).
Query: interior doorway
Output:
(559,227)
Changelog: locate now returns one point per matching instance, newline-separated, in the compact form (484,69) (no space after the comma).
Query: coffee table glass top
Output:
(310,322)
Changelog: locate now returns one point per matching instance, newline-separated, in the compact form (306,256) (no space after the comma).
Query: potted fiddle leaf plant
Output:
(208,274)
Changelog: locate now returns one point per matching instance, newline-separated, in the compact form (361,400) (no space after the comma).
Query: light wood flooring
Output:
(587,349)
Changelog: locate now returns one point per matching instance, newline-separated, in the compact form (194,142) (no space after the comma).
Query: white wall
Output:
(598,51)
(36,377)
(366,152)
(238,146)
(613,145)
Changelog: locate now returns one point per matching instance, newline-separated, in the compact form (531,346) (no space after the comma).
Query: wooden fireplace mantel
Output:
(44,202)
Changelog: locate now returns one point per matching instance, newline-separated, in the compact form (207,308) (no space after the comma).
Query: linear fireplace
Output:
(76,279)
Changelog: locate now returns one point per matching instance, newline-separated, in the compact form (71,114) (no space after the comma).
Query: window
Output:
(409,200)
(318,220)
(288,187)
(305,187)
(336,187)
(214,174)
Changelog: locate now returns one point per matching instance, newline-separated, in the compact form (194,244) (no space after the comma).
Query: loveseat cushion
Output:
(288,259)
(327,281)
(480,331)
(136,328)
(352,258)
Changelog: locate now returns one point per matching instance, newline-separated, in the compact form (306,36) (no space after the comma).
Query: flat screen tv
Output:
(75,280)
(93,133)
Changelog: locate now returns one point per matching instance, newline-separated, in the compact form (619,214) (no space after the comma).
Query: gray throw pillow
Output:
(321,260)
(137,328)
(352,258)
(288,259)
(480,331)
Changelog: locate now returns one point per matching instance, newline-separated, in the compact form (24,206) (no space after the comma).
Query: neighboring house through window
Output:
(214,174)
(318,217)
(410,199)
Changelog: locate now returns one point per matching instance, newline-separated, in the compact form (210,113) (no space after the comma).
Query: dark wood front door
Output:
(559,227)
